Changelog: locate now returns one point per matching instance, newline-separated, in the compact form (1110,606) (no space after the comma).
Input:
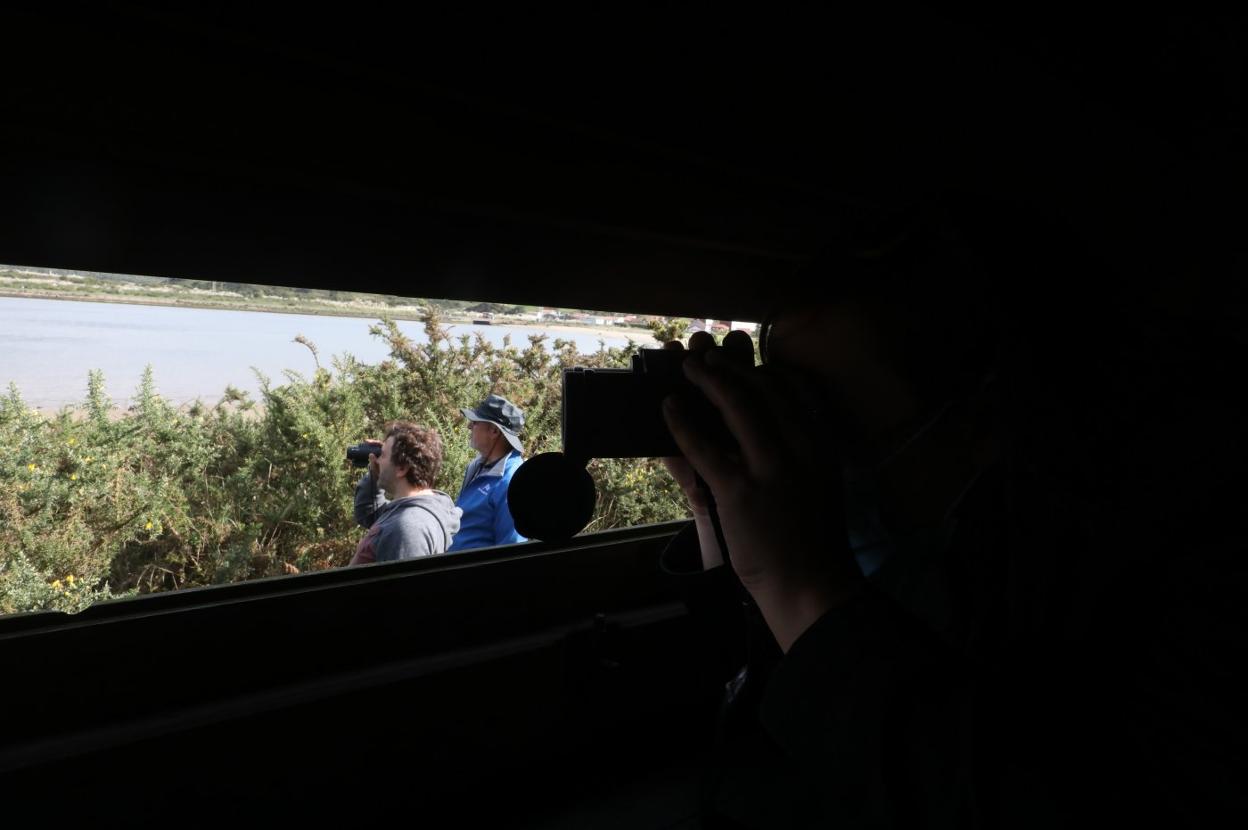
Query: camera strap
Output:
(713,511)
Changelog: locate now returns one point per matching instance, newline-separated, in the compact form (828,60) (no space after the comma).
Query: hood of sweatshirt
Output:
(437,502)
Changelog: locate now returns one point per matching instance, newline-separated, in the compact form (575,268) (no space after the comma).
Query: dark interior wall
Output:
(653,165)
(493,684)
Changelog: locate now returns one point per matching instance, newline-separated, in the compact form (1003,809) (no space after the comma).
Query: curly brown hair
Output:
(417,447)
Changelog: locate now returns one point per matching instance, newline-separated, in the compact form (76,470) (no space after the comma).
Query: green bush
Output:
(95,504)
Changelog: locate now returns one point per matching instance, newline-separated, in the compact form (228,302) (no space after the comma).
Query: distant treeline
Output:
(257,291)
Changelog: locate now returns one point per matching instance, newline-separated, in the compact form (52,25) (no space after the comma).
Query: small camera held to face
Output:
(606,413)
(618,413)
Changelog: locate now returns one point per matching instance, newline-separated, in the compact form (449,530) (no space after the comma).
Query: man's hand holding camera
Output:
(779,507)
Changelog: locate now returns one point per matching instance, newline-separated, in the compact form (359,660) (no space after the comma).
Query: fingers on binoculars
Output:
(739,348)
(761,406)
(742,398)
(701,341)
(703,454)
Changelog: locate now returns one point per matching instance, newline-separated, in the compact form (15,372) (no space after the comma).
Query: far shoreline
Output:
(449,318)
(463,324)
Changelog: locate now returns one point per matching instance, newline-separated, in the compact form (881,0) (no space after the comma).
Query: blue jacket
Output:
(483,498)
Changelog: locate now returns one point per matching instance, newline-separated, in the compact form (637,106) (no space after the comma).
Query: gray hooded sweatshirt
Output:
(404,528)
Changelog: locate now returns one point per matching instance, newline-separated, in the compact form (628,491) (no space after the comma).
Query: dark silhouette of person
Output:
(982,566)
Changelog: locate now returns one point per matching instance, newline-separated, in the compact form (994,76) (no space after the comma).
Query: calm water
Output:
(48,346)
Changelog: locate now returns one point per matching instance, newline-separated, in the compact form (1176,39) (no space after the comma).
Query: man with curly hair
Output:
(395,499)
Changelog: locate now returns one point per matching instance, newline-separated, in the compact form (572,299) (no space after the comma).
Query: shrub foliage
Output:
(95,506)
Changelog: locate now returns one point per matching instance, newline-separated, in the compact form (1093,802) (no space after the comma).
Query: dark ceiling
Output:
(648,164)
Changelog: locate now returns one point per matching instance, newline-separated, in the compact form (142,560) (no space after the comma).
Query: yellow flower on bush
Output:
(32,467)
(56,585)
(87,460)
(70,580)
(71,442)
(147,526)
(73,476)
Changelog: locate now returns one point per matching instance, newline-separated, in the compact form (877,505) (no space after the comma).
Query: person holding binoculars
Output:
(395,500)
